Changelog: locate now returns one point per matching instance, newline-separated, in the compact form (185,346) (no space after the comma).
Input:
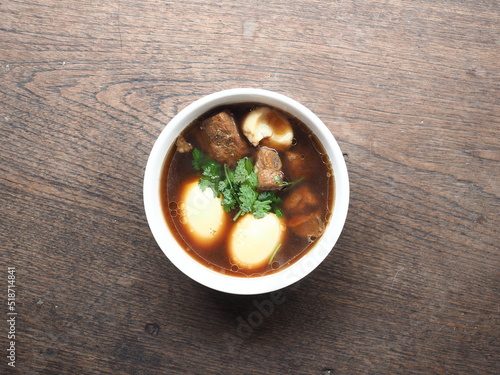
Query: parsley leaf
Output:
(211,171)
(237,187)
(261,208)
(244,173)
(246,198)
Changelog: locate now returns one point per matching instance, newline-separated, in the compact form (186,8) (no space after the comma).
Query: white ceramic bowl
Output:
(195,270)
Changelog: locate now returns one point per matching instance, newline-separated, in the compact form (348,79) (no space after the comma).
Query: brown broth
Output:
(178,170)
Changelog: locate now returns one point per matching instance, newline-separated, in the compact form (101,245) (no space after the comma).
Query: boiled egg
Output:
(266,125)
(253,241)
(202,214)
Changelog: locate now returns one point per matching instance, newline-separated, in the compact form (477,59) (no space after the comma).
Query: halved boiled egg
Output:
(253,241)
(202,214)
(266,125)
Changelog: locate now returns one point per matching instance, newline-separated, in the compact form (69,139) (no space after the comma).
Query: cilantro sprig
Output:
(237,187)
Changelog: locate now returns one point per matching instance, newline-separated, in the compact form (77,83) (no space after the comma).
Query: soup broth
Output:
(306,191)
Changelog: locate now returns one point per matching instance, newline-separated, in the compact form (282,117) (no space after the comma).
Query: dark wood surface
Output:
(411,91)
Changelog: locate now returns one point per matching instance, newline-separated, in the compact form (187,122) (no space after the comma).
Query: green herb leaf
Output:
(241,173)
(261,208)
(238,187)
(211,171)
(246,198)
(202,161)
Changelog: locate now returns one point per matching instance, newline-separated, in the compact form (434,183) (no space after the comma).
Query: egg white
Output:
(202,214)
(253,241)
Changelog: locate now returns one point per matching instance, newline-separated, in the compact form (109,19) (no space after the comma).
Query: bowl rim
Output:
(174,251)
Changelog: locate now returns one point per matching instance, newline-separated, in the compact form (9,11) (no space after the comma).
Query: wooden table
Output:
(410,90)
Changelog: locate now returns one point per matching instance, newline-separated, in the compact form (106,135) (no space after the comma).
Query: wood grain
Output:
(410,90)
